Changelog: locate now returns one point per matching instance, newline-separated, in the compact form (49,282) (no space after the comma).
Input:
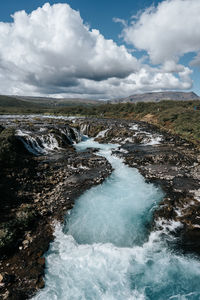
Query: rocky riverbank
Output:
(36,191)
(165,160)
(42,175)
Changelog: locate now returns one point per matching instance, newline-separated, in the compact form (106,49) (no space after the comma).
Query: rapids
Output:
(105,249)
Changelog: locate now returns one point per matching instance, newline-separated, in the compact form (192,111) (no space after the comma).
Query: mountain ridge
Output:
(157,97)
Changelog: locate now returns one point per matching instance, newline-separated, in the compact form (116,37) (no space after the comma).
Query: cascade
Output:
(44,141)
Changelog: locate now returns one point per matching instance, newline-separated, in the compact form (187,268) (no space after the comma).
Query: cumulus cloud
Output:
(53,52)
(53,46)
(168,31)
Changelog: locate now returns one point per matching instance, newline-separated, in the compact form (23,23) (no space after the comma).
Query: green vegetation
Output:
(178,117)
(12,231)
(6,101)
(7,146)
(27,105)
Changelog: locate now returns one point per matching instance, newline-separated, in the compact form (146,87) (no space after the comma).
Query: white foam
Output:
(154,140)
(135,127)
(197,195)
(123,150)
(104,251)
(102,133)
(38,144)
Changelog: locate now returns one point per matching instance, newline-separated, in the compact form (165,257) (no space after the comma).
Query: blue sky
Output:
(150,38)
(99,14)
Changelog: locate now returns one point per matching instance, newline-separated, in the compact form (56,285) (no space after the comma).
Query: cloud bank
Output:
(53,52)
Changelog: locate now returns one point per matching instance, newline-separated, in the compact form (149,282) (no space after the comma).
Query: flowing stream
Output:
(105,250)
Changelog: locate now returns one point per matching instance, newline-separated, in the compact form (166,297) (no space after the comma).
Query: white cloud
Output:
(52,46)
(168,31)
(119,20)
(51,51)
(145,80)
(196,60)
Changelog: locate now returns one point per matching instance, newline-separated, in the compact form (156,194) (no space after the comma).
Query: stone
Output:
(41,261)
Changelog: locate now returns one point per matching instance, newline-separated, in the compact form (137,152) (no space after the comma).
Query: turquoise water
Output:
(105,250)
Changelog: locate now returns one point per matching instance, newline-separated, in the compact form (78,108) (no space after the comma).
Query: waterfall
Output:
(45,140)
(102,133)
(84,129)
(38,144)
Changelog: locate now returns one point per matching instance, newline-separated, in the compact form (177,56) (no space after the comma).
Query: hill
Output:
(9,101)
(27,104)
(48,101)
(158,96)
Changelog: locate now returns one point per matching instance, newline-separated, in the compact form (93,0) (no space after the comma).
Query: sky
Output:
(99,49)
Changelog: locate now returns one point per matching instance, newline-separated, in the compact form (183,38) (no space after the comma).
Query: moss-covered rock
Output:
(11,232)
(25,215)
(8,236)
(7,141)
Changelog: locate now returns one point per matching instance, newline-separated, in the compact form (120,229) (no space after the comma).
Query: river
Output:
(106,251)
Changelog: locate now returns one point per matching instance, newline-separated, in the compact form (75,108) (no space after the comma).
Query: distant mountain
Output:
(158,96)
